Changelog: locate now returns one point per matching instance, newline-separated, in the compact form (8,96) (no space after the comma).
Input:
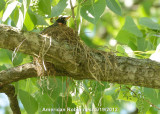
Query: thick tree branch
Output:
(122,70)
(25,71)
(18,73)
(9,90)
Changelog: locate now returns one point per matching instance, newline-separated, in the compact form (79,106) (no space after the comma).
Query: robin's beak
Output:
(67,18)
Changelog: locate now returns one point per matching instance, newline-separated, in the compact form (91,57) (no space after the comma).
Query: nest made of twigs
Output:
(82,54)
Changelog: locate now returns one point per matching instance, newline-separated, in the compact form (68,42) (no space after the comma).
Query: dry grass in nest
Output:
(82,54)
(62,33)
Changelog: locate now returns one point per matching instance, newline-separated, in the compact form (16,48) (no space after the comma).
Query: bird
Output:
(62,34)
(59,30)
(61,21)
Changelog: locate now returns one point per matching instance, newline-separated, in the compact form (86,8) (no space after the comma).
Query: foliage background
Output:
(127,27)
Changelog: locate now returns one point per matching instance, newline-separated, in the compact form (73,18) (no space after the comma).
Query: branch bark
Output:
(131,71)
(9,90)
(18,73)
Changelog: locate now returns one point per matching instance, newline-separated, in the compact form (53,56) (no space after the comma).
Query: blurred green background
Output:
(127,27)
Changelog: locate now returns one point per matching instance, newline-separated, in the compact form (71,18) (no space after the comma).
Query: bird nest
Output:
(95,61)
(62,33)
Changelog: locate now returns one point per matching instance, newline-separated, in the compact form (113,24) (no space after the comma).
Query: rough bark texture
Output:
(18,73)
(9,90)
(122,70)
(61,60)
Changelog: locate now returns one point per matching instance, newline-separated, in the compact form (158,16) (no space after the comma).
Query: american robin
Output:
(61,21)
(60,31)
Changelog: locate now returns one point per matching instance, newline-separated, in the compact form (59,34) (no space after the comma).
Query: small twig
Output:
(9,90)
(144,99)
(16,50)
(73,16)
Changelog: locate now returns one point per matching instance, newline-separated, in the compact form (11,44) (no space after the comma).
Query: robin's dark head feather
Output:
(61,21)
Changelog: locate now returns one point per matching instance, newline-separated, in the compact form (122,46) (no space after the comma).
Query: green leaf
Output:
(45,6)
(132,45)
(15,16)
(44,100)
(121,51)
(2,4)
(3,67)
(40,20)
(79,1)
(129,32)
(59,8)
(152,110)
(61,102)
(28,85)
(152,95)
(101,87)
(141,44)
(29,103)
(89,42)
(124,37)
(27,59)
(110,91)
(9,10)
(147,5)
(30,20)
(126,95)
(158,41)
(25,6)
(131,27)
(87,2)
(52,87)
(108,101)
(113,5)
(27,2)
(93,11)
(4,58)
(16,58)
(142,105)
(85,97)
(147,22)
(97,98)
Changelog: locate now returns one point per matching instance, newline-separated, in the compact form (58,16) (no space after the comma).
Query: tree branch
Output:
(73,16)
(18,73)
(122,70)
(9,90)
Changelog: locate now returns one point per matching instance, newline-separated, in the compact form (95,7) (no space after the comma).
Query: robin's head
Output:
(62,20)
